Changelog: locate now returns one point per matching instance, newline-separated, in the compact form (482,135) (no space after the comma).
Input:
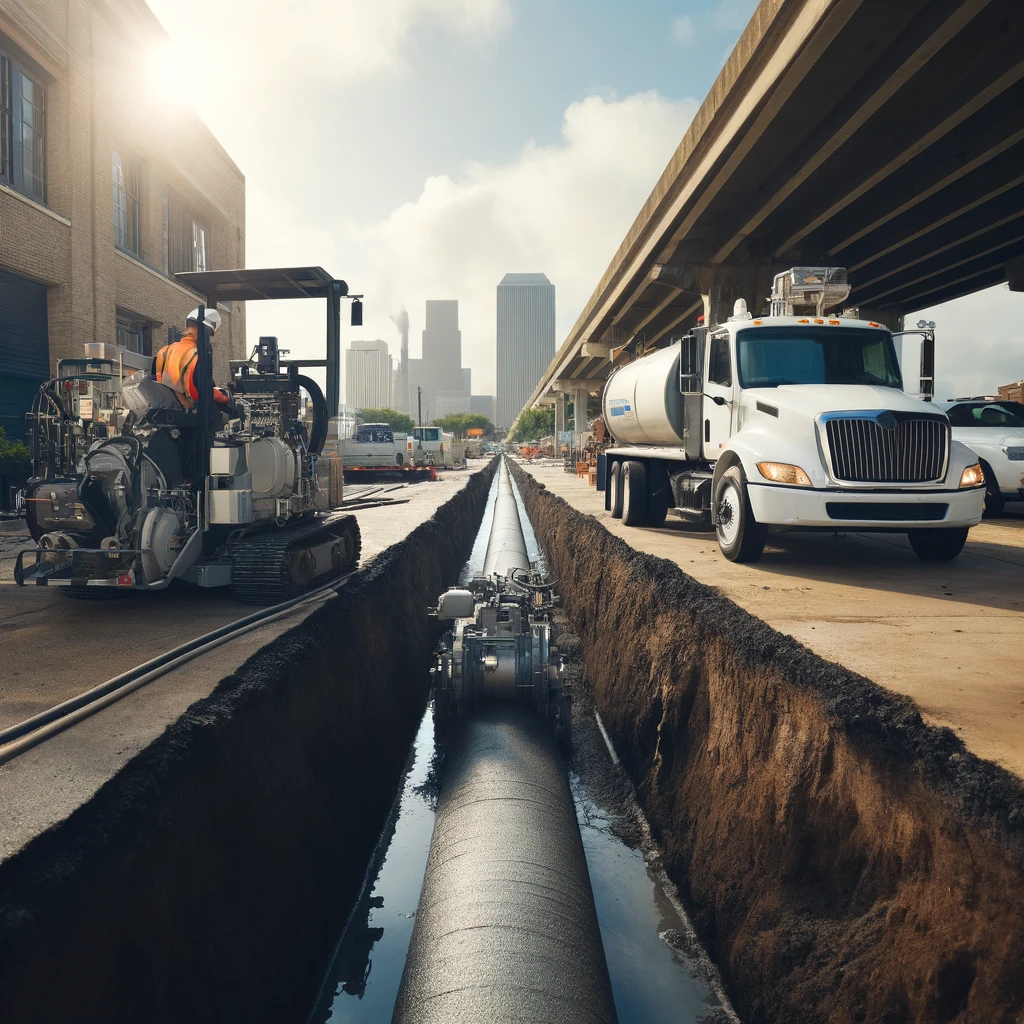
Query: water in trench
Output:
(658,971)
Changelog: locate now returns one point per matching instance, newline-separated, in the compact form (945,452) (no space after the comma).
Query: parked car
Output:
(994,429)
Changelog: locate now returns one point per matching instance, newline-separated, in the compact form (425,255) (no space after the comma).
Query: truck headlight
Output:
(972,476)
(781,473)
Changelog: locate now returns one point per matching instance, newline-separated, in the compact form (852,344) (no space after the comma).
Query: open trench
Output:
(208,879)
(841,860)
(481,903)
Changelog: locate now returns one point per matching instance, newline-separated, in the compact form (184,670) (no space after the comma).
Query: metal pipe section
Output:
(506,549)
(506,928)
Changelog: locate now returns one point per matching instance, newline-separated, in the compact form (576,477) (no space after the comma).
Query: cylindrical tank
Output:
(506,550)
(642,403)
(506,928)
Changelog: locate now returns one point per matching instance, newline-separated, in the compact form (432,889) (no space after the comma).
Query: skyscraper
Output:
(439,372)
(369,377)
(526,340)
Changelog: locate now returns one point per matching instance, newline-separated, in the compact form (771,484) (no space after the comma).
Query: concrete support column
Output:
(752,282)
(579,404)
(1015,274)
(559,415)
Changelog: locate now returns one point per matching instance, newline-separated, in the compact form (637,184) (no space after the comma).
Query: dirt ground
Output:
(946,635)
(843,861)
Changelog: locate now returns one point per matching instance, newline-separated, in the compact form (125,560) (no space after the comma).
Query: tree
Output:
(458,423)
(397,421)
(533,424)
(15,458)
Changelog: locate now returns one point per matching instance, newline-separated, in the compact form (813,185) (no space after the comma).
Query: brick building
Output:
(105,191)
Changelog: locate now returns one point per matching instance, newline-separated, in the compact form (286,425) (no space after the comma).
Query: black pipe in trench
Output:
(506,928)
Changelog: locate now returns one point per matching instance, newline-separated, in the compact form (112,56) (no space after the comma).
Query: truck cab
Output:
(795,419)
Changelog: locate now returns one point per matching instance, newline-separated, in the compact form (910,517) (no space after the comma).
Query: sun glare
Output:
(171,79)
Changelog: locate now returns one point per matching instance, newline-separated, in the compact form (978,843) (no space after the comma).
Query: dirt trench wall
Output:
(843,861)
(209,879)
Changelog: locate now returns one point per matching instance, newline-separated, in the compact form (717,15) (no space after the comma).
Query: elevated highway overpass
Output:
(884,137)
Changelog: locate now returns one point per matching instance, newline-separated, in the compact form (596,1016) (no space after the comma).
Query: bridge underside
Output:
(880,136)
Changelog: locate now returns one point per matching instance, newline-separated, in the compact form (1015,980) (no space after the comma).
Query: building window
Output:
(5,121)
(126,203)
(22,130)
(188,240)
(133,334)
(33,138)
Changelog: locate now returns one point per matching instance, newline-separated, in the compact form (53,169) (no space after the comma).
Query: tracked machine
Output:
(132,491)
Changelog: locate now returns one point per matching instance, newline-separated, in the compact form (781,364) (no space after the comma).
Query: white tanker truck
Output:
(795,419)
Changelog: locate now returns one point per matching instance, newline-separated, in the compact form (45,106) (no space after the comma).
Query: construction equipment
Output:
(159,492)
(499,646)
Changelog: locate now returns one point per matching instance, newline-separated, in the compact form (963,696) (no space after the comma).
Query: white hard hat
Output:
(212,319)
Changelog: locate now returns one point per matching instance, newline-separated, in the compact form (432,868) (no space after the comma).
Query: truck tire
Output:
(938,544)
(995,503)
(659,494)
(740,536)
(633,478)
(615,490)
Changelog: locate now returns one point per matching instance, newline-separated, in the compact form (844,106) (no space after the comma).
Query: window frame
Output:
(127,323)
(130,241)
(15,70)
(184,231)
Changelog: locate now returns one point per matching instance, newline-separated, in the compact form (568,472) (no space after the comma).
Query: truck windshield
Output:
(771,356)
(987,414)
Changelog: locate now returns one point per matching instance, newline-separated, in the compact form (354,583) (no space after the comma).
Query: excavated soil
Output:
(209,879)
(843,861)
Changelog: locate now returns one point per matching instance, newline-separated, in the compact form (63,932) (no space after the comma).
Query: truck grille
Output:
(888,448)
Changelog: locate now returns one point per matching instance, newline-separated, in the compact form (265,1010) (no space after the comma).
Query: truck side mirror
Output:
(357,312)
(691,364)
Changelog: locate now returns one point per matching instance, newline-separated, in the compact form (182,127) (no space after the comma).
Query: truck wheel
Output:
(659,494)
(740,536)
(615,490)
(995,503)
(633,478)
(938,545)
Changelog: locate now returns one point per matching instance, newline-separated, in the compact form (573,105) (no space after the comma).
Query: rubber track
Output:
(258,560)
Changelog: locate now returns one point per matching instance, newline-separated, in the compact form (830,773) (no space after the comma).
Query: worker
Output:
(176,363)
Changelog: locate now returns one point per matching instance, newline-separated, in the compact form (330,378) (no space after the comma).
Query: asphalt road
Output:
(53,647)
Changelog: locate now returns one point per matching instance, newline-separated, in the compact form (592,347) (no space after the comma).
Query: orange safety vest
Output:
(176,367)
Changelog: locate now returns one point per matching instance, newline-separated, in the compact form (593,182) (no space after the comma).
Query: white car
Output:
(995,431)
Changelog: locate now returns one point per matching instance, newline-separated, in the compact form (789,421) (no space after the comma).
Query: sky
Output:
(425,148)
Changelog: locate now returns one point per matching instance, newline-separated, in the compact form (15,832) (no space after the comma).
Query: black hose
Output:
(318,435)
(61,716)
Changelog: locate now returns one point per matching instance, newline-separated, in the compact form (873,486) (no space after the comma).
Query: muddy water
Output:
(658,971)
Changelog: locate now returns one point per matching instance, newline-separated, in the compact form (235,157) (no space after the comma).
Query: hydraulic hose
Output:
(506,928)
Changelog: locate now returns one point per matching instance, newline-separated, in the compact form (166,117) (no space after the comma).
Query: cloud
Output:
(683,31)
(561,210)
(256,51)
(979,343)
